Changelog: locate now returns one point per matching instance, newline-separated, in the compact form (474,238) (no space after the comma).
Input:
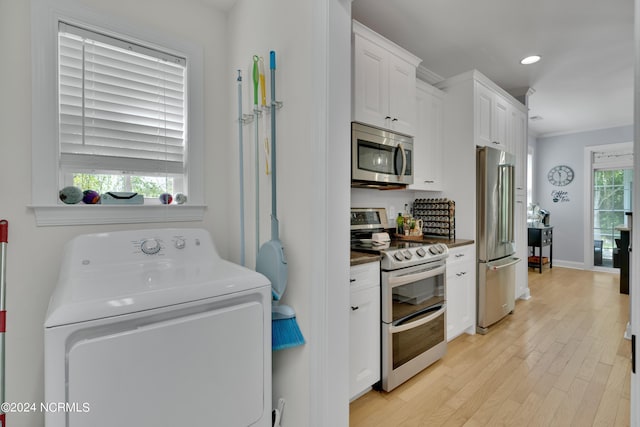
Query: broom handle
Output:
(4,230)
(274,217)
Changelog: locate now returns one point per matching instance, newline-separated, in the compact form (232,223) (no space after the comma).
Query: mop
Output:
(285,332)
(241,160)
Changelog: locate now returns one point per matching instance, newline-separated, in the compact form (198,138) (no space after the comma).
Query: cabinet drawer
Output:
(364,276)
(461,254)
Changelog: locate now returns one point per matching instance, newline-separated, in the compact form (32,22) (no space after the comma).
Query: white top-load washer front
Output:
(153,328)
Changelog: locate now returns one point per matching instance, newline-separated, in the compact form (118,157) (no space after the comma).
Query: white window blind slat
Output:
(121,105)
(89,163)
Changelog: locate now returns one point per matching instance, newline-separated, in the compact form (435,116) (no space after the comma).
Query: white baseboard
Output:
(569,264)
(525,295)
(581,266)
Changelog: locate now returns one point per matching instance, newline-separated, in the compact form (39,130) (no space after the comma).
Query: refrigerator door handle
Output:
(505,190)
(501,264)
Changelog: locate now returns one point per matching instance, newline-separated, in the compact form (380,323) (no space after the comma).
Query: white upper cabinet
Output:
(384,82)
(427,143)
(492,118)
(519,142)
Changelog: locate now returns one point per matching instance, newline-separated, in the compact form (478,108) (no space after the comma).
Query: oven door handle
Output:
(415,277)
(401,328)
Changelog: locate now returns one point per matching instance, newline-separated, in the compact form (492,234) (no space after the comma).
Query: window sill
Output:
(51,215)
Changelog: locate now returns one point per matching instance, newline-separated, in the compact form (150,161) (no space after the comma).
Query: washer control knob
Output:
(180,243)
(150,246)
(421,252)
(398,256)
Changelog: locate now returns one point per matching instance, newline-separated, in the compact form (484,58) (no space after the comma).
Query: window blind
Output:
(121,105)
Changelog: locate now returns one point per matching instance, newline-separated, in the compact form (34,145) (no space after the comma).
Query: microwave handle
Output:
(404,161)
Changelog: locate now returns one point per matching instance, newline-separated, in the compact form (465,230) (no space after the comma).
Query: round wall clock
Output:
(560,175)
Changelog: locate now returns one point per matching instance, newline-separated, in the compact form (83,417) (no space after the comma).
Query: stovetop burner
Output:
(397,253)
(400,254)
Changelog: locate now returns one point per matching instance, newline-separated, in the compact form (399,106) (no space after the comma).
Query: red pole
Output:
(4,231)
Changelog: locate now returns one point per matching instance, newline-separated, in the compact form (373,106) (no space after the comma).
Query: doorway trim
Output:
(588,200)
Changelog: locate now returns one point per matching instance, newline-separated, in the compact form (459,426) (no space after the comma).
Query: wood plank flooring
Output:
(559,360)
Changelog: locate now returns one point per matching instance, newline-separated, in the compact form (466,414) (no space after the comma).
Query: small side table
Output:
(539,237)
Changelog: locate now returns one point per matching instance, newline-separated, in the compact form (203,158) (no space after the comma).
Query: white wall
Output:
(568,218)
(34,252)
(312,45)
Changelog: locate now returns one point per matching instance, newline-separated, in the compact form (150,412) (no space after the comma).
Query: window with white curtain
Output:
(121,114)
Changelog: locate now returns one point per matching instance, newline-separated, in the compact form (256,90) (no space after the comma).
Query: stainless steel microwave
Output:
(380,157)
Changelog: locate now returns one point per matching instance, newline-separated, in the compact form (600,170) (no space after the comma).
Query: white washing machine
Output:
(152,328)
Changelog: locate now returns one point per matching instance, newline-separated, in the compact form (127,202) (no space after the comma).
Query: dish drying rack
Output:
(438,217)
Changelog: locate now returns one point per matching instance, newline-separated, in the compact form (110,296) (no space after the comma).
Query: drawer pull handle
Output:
(352,280)
(354,308)
(459,255)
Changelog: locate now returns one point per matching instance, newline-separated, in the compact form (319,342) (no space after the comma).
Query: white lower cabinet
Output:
(364,328)
(461,291)
(522,250)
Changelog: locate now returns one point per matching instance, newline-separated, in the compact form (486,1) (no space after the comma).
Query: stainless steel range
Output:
(413,297)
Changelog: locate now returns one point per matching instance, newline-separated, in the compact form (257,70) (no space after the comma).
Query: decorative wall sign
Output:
(560,175)
(560,196)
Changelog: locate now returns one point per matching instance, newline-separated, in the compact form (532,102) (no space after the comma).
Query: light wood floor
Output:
(559,360)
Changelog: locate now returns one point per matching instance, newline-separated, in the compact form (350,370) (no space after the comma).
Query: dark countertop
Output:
(358,258)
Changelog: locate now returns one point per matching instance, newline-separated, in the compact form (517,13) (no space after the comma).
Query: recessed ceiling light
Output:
(530,60)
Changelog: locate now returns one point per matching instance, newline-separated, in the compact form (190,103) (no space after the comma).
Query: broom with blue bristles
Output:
(285,332)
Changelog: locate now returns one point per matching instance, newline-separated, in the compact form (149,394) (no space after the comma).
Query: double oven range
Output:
(413,298)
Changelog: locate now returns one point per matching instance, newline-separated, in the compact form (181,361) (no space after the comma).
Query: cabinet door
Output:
(364,340)
(461,291)
(460,299)
(370,83)
(500,125)
(402,95)
(427,144)
(491,118)
(483,115)
(521,237)
(519,140)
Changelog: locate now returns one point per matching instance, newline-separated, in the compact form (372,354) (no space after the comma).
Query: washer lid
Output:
(120,279)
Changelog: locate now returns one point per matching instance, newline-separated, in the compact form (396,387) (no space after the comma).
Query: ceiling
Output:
(584,80)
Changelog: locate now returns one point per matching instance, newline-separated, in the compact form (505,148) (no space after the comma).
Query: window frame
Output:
(45,15)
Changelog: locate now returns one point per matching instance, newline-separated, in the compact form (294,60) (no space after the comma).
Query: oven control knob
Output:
(421,252)
(398,256)
(433,250)
(407,254)
(441,248)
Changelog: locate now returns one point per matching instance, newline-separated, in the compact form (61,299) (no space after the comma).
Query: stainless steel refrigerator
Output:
(496,276)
